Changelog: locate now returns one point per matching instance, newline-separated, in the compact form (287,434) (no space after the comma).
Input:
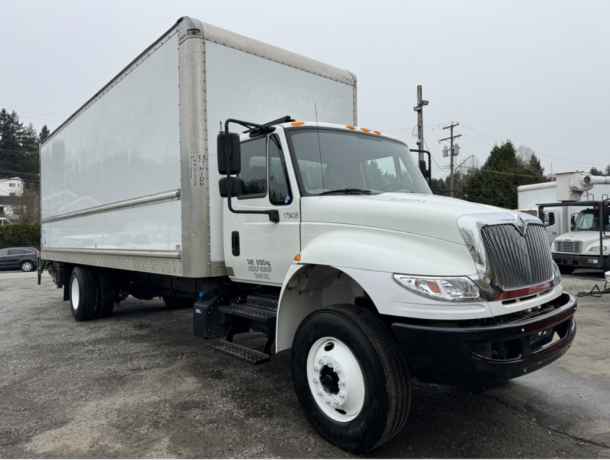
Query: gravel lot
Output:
(139,385)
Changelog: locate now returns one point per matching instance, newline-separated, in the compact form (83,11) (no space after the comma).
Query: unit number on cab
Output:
(291,216)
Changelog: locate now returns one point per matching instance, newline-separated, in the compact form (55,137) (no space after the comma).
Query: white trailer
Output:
(320,234)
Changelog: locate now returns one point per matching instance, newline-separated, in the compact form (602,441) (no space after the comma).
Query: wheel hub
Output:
(329,380)
(335,379)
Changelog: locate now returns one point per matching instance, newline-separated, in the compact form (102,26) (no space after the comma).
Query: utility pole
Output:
(452,153)
(420,122)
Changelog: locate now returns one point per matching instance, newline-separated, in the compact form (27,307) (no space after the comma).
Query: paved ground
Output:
(139,385)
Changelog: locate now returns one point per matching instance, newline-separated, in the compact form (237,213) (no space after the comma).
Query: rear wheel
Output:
(105,294)
(175,303)
(350,377)
(83,293)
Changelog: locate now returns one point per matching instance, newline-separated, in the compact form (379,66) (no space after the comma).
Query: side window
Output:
(551,218)
(3,252)
(279,188)
(14,252)
(254,168)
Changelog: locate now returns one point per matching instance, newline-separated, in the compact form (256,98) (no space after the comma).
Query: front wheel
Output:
(350,377)
(565,269)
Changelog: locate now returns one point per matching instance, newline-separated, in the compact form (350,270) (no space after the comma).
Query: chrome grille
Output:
(518,261)
(574,247)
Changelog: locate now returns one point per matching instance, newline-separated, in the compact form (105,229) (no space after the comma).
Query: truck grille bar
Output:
(518,260)
(574,247)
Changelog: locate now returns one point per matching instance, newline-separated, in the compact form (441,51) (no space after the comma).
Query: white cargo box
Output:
(130,180)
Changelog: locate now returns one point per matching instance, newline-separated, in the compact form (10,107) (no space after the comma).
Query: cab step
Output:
(249,311)
(240,352)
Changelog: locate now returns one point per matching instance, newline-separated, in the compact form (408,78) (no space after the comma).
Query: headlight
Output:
(596,249)
(451,289)
(556,274)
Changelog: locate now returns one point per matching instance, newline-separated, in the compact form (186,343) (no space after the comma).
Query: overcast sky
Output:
(534,72)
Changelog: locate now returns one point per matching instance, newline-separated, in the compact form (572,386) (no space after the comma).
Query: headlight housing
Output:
(596,249)
(556,274)
(452,289)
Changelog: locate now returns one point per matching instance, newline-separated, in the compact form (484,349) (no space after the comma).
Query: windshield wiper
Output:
(347,191)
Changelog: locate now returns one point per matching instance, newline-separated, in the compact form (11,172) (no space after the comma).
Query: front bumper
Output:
(579,260)
(486,354)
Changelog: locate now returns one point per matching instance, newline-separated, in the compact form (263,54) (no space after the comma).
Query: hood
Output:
(427,215)
(585,236)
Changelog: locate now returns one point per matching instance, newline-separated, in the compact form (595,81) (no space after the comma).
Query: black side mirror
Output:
(234,183)
(423,167)
(229,155)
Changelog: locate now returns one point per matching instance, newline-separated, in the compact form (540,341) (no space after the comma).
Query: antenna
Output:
(315,106)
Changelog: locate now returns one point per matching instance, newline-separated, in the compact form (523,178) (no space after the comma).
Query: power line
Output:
(480,132)
(34,110)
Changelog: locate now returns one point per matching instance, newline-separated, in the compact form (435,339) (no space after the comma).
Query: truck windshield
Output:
(336,161)
(588,220)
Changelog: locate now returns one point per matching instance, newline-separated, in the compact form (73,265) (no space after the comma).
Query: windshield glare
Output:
(329,159)
(589,221)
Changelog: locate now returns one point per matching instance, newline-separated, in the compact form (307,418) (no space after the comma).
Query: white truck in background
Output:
(320,234)
(558,219)
(587,243)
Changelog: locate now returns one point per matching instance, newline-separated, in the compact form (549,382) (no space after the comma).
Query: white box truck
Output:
(318,233)
(557,219)
(585,242)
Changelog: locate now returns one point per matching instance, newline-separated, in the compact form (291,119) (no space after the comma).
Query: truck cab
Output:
(587,245)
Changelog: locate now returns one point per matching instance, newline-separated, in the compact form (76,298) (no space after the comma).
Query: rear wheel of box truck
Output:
(106,294)
(83,293)
(351,379)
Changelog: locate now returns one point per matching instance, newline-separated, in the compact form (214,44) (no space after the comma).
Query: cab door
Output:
(261,251)
(552,227)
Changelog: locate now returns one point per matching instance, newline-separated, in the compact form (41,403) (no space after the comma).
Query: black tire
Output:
(27,266)
(83,293)
(105,294)
(176,303)
(606,264)
(383,372)
(565,269)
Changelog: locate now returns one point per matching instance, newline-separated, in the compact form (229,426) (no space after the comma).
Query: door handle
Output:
(235,243)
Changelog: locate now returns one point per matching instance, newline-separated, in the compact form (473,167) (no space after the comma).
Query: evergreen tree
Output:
(18,147)
(11,129)
(607,171)
(595,172)
(44,133)
(497,181)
